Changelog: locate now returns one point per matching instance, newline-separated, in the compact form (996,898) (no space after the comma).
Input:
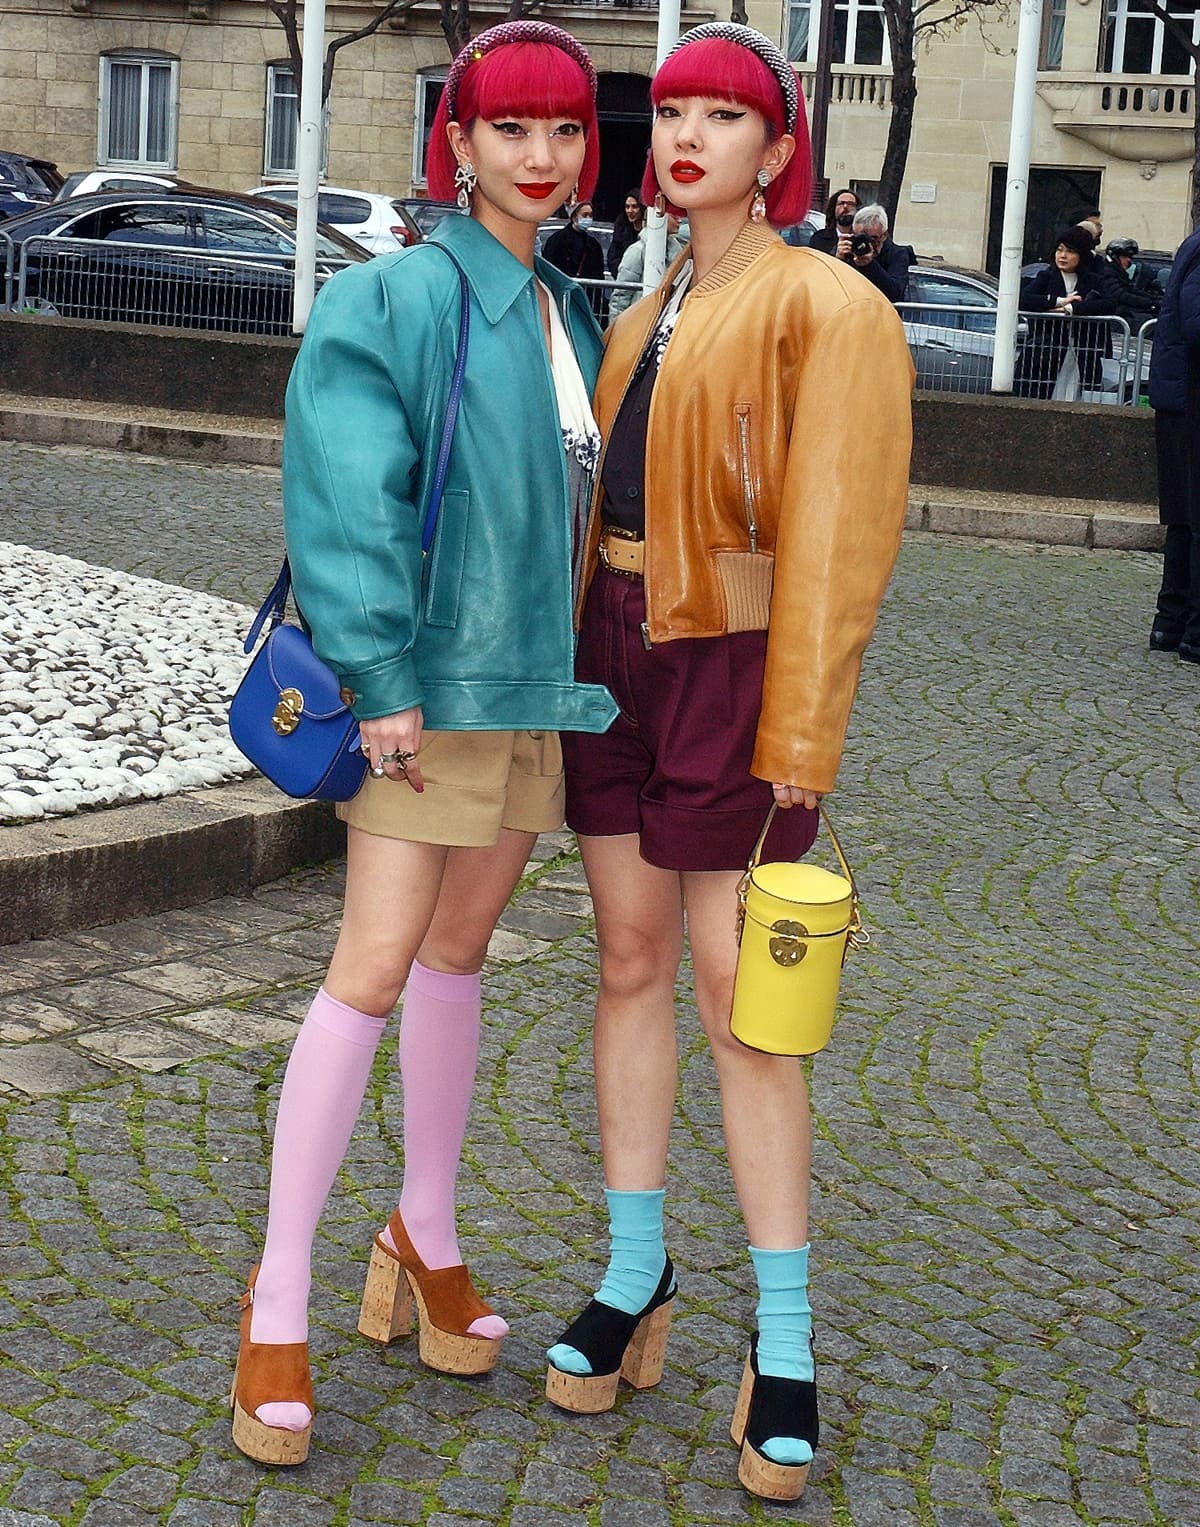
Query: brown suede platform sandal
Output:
(269,1374)
(446,1305)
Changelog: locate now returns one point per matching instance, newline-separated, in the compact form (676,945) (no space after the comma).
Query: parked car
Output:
(185,259)
(25,181)
(953,350)
(428,214)
(800,234)
(379,223)
(85,182)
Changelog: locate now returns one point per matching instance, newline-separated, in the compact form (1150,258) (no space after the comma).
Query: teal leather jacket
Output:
(478,633)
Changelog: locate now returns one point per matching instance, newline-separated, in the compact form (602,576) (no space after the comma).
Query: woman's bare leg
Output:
(764,1099)
(639,929)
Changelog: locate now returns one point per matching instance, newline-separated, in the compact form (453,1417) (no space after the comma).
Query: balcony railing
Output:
(1129,116)
(852,87)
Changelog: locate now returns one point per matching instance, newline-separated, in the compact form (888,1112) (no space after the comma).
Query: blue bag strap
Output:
(274,605)
(456,387)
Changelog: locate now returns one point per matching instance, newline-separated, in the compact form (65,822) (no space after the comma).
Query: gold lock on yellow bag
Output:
(796,923)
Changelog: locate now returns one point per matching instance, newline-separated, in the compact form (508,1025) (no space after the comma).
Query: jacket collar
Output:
(753,240)
(496,278)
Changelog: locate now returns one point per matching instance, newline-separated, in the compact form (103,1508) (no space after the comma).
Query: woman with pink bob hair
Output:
(733,569)
(459,667)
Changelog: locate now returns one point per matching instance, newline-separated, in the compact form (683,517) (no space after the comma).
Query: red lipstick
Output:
(537,190)
(686,173)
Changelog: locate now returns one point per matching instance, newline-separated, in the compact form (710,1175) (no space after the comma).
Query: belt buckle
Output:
(621,534)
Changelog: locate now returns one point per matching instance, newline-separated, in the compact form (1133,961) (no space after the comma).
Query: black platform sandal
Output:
(618,1346)
(769,1407)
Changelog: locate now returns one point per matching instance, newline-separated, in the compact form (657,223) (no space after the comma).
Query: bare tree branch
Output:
(966,9)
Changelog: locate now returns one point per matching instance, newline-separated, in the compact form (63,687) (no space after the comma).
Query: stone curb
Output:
(203,442)
(1050,527)
(129,861)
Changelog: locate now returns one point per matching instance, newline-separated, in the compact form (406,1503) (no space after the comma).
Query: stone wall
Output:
(1001,445)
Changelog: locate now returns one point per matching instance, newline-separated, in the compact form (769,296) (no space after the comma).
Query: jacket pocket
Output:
(444,564)
(749,480)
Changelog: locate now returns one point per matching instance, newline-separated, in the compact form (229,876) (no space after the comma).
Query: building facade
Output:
(203,89)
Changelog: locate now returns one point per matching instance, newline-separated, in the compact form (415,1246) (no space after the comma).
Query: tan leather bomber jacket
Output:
(776,478)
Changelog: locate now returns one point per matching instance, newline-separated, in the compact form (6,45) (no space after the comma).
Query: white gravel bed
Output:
(112,688)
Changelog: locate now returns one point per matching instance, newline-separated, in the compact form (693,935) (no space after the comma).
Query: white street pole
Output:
(655,262)
(308,162)
(1012,239)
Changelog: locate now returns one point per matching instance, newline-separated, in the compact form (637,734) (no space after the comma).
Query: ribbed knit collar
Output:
(754,239)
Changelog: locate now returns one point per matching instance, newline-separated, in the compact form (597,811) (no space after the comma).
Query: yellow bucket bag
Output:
(796,924)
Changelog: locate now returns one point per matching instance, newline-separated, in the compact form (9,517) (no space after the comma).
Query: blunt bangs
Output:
(523,79)
(526,79)
(721,70)
(715,69)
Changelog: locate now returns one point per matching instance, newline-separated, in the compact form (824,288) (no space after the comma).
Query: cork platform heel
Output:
(770,1407)
(268,1373)
(617,1346)
(446,1306)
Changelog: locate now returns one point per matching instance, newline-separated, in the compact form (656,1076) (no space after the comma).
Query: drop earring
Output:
(758,206)
(465,180)
(660,204)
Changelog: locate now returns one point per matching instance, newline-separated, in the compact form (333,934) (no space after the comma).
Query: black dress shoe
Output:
(1163,638)
(1188,653)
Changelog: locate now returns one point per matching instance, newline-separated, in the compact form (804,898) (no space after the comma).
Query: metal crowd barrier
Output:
(126,282)
(8,293)
(1141,359)
(1090,360)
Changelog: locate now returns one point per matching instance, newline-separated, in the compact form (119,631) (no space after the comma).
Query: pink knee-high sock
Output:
(322,1093)
(439,1049)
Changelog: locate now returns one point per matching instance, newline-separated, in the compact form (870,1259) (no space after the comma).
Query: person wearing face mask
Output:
(578,253)
(839,219)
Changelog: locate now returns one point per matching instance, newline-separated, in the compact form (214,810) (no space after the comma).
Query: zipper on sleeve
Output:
(748,494)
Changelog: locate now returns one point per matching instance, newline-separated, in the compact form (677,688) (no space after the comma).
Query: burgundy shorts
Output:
(674,767)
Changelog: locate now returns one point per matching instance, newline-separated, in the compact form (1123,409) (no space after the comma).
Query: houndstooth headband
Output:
(762,48)
(509,32)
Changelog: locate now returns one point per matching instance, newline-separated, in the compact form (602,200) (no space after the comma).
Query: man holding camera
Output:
(867,247)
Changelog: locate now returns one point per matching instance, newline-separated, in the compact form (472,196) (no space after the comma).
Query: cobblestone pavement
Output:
(205,527)
(1008,1184)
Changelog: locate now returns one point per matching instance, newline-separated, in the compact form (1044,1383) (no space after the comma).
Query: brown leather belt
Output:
(621,552)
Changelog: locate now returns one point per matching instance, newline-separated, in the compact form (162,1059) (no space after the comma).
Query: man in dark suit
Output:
(1175,398)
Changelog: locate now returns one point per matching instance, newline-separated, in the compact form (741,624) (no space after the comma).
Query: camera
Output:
(861,244)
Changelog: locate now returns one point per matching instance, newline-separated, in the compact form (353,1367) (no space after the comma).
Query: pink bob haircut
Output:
(722,70)
(521,79)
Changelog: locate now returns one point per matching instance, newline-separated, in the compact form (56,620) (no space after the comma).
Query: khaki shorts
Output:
(475,784)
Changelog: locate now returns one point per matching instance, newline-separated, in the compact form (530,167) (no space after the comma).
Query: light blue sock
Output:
(784,1319)
(636,1260)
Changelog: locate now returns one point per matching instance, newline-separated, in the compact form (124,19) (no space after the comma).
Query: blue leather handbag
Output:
(288,716)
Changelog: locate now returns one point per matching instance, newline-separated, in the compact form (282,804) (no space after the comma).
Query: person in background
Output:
(1131,287)
(839,218)
(626,229)
(633,265)
(1175,398)
(868,248)
(578,253)
(1062,354)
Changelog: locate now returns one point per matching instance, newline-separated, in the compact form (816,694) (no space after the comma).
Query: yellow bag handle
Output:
(858,937)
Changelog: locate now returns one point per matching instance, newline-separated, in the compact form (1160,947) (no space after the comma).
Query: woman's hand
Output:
(787,796)
(398,734)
